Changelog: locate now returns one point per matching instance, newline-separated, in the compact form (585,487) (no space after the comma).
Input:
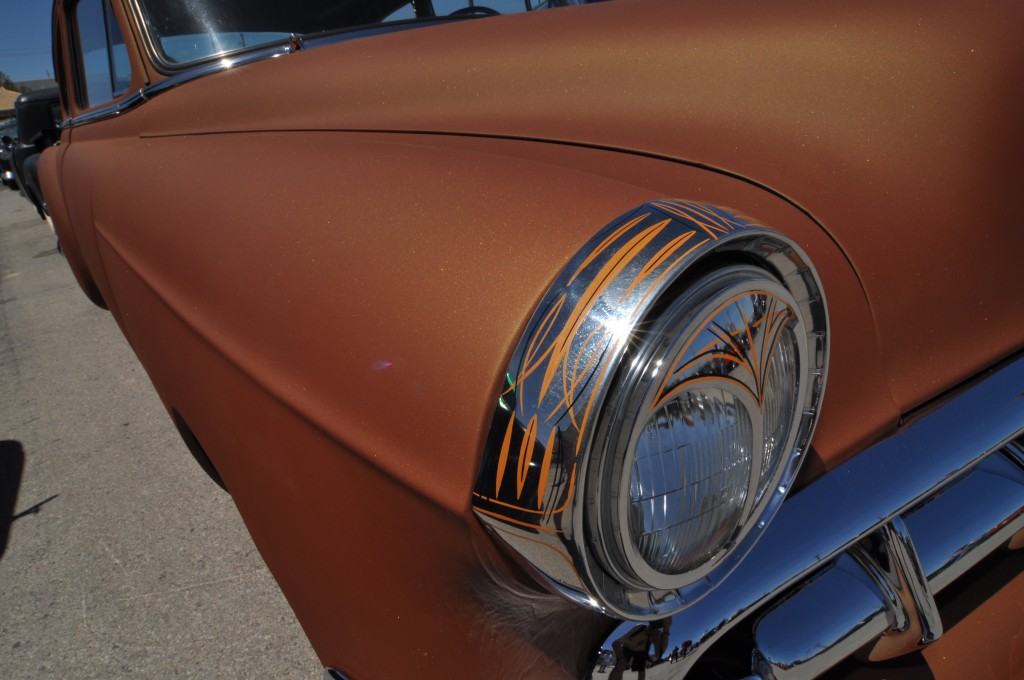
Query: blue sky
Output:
(25,39)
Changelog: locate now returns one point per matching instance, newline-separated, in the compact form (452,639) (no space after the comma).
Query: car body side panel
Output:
(335,343)
(406,304)
(894,124)
(70,178)
(385,583)
(329,370)
(49,180)
(987,638)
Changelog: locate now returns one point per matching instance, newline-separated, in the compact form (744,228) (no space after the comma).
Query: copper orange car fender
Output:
(332,355)
(856,111)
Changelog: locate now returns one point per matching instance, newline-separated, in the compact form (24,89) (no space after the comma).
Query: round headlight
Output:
(698,428)
(657,408)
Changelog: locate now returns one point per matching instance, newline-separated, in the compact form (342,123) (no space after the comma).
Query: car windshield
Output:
(186,31)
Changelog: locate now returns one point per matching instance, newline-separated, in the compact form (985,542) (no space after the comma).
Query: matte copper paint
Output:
(325,260)
(894,124)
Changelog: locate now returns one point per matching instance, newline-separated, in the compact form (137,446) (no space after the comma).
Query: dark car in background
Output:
(8,138)
(38,116)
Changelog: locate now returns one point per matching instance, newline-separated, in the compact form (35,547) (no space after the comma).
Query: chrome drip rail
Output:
(853,561)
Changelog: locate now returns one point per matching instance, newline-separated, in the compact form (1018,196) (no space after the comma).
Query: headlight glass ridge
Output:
(698,427)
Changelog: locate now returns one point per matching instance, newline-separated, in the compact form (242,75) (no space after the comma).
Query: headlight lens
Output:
(688,479)
(699,428)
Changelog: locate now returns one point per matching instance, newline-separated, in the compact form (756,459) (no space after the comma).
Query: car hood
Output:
(889,124)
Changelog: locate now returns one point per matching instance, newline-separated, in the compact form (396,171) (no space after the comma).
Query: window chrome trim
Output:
(112,110)
(206,65)
(226,62)
(170,68)
(136,98)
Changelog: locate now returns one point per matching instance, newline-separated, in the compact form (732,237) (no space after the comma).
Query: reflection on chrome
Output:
(653,416)
(696,440)
(183,32)
(852,563)
(639,647)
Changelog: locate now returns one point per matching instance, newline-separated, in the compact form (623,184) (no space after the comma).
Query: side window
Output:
(102,56)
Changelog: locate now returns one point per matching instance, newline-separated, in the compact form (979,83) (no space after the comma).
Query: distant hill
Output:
(32,85)
(7,98)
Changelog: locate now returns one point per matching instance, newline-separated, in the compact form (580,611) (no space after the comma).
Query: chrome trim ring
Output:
(950,474)
(552,456)
(737,368)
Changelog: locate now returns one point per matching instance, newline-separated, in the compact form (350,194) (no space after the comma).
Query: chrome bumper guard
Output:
(852,562)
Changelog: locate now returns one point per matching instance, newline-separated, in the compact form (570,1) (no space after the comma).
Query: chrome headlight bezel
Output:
(557,463)
(644,377)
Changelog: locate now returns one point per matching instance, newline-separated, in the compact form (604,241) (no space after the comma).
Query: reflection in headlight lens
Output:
(689,479)
(780,391)
(715,405)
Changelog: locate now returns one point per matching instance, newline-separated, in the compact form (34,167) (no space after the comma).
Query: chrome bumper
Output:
(853,561)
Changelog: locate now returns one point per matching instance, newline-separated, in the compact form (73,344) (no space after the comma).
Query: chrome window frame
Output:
(81,89)
(155,56)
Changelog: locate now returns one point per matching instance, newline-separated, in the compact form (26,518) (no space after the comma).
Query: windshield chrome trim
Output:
(228,61)
(171,68)
(111,110)
(136,98)
(224,63)
(206,65)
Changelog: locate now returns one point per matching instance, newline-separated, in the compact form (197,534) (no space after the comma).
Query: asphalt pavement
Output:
(118,556)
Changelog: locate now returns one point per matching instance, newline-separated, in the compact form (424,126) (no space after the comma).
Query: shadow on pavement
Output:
(12,464)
